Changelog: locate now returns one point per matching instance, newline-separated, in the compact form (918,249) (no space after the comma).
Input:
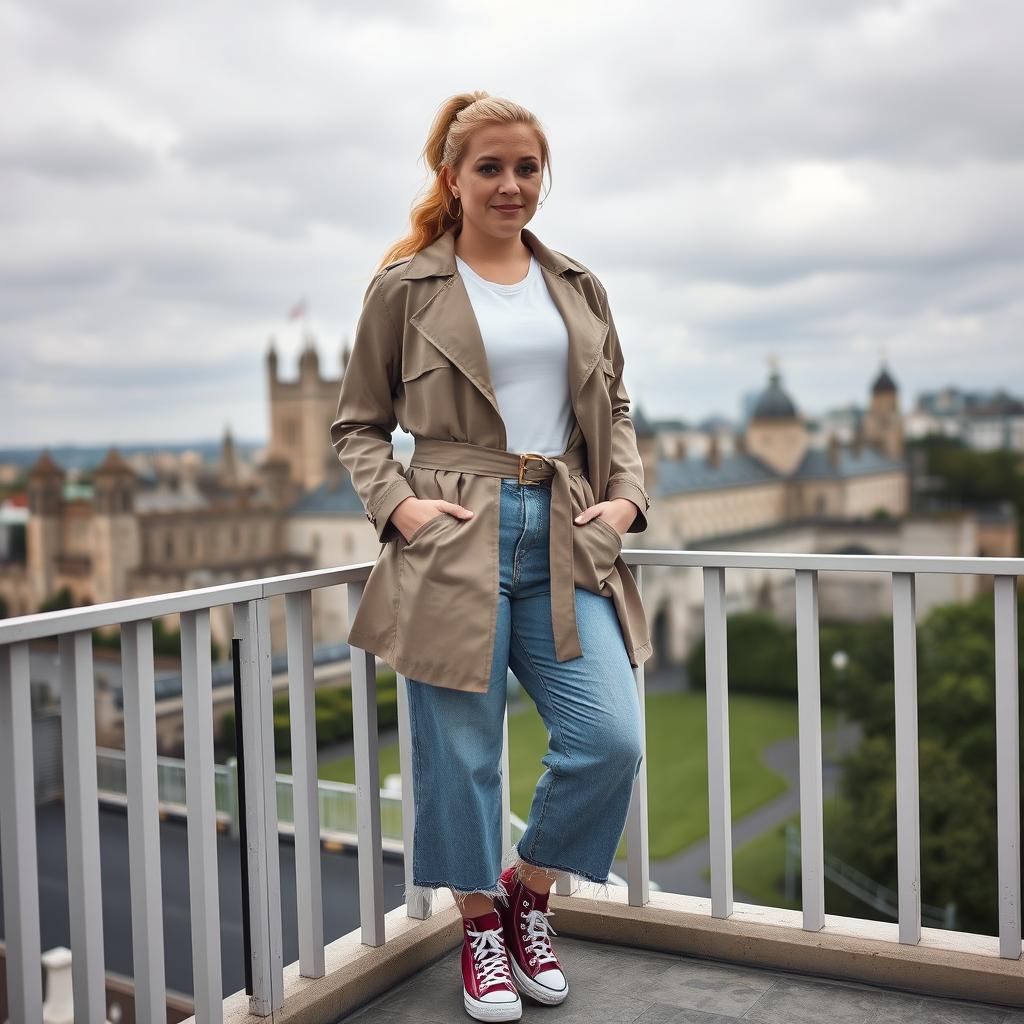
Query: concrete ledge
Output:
(958,965)
(355,973)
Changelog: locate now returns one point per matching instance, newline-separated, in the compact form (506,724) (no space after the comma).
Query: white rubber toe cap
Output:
(552,978)
(500,996)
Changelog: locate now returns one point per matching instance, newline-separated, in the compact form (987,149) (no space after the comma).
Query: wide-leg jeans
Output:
(588,704)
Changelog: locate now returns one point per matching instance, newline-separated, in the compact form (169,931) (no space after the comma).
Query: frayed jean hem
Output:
(514,858)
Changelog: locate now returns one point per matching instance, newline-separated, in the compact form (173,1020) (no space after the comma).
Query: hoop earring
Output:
(454,216)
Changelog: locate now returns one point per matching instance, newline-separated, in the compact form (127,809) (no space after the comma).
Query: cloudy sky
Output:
(818,180)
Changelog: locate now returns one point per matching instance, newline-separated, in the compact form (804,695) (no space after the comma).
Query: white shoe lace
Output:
(488,948)
(536,937)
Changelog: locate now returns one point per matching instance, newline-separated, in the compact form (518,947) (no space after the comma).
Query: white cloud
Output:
(813,179)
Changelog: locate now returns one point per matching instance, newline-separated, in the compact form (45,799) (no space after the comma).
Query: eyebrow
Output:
(529,156)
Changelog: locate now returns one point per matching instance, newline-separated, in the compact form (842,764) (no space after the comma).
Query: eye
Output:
(524,168)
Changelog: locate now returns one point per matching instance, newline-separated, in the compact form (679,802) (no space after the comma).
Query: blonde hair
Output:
(456,120)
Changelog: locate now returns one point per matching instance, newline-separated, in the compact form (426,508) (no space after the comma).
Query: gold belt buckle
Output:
(522,466)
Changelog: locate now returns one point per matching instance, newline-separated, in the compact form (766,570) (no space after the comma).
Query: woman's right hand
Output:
(409,515)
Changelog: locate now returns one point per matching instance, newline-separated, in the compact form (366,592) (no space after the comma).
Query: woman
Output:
(501,541)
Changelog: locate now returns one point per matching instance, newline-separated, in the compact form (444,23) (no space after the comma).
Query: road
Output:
(340,888)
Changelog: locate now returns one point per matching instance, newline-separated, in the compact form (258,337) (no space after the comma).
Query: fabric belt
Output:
(527,468)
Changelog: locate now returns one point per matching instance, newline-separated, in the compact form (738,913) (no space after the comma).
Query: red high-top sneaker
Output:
(489,992)
(535,967)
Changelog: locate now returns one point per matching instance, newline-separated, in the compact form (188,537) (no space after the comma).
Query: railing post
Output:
(908,821)
(143,819)
(305,793)
(252,628)
(417,901)
(18,837)
(365,750)
(81,809)
(638,860)
(1007,766)
(203,888)
(717,694)
(812,852)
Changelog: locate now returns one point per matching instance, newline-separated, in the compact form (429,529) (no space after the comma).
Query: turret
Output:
(776,433)
(116,543)
(883,422)
(43,530)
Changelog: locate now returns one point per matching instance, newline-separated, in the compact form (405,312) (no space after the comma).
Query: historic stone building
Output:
(764,486)
(301,413)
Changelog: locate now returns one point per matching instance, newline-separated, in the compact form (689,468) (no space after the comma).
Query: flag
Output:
(298,310)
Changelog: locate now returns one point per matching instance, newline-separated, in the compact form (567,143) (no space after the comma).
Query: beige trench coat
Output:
(429,608)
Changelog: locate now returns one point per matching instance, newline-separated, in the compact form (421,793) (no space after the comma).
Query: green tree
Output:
(57,601)
(957,757)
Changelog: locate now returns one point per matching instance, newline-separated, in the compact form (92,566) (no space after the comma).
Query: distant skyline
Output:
(817,181)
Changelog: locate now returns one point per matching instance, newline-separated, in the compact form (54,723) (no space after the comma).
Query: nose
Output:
(508,186)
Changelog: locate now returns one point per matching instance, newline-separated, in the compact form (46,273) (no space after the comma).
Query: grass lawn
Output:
(759,867)
(677,778)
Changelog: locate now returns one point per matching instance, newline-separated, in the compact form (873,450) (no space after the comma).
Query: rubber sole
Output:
(532,988)
(492,1011)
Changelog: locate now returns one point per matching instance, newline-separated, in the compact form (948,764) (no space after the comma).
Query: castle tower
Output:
(228,460)
(115,529)
(883,423)
(301,414)
(776,434)
(43,530)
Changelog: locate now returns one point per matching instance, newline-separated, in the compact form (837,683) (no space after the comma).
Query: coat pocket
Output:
(428,526)
(596,545)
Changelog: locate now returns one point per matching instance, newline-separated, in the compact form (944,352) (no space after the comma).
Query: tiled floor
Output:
(620,984)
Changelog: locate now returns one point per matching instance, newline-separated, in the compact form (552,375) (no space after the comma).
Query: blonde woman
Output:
(501,541)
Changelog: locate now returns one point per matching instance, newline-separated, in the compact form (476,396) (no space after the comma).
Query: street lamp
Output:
(840,661)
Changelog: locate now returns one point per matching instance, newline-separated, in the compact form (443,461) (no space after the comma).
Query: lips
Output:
(508,207)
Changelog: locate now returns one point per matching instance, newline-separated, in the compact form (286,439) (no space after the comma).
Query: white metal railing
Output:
(251,624)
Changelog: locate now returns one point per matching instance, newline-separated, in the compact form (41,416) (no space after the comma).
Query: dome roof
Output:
(774,403)
(883,383)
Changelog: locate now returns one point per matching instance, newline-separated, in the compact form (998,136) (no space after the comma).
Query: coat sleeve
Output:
(626,477)
(362,428)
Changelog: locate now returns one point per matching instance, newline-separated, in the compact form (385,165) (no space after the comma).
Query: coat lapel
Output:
(447,321)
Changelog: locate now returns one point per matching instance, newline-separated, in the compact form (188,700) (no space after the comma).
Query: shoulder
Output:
(386,280)
(585,280)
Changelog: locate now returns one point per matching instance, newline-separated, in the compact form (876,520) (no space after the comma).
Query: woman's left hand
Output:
(618,513)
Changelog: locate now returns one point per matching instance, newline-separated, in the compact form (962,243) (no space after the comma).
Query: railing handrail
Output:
(251,626)
(43,625)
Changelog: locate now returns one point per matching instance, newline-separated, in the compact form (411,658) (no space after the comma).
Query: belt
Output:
(527,468)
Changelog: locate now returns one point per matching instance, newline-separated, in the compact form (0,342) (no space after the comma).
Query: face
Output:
(501,167)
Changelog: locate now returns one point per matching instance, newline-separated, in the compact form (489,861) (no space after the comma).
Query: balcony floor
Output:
(619,984)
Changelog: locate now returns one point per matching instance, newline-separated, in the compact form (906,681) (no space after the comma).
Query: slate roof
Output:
(816,465)
(685,476)
(326,500)
(694,474)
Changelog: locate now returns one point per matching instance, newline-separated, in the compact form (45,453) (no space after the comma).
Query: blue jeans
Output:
(589,705)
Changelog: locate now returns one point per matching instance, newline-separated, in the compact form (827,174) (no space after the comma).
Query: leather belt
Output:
(527,468)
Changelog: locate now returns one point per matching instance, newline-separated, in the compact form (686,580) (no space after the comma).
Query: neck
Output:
(472,246)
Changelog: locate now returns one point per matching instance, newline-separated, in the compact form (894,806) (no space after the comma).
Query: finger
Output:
(456,510)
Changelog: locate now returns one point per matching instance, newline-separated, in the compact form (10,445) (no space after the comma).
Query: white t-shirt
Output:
(527,347)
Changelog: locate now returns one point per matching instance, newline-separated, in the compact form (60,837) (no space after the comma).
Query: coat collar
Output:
(446,319)
(438,258)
